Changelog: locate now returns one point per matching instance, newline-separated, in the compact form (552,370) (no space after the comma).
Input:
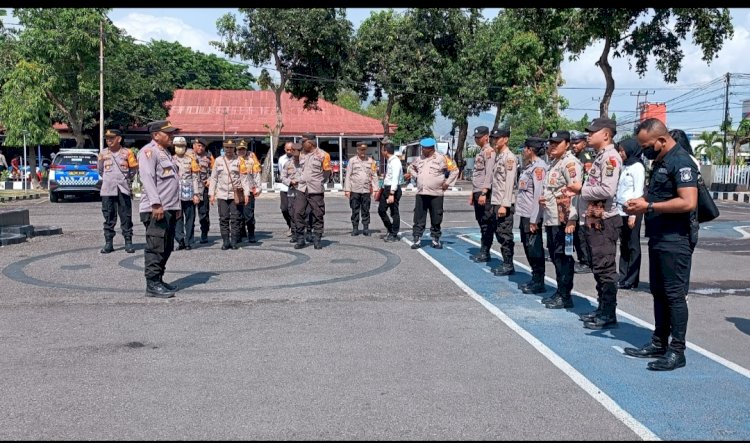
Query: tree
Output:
(710,146)
(349,99)
(641,33)
(305,56)
(25,109)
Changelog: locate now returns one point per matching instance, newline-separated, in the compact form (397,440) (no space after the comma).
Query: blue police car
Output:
(74,171)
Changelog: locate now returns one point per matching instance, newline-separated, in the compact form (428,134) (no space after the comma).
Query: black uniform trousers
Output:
(285,206)
(247,217)
(533,248)
(360,204)
(485,217)
(630,252)
(229,220)
(113,206)
(316,203)
(159,243)
(203,211)
(603,252)
(393,224)
(583,250)
(504,233)
(564,269)
(670,261)
(185,229)
(423,204)
(291,197)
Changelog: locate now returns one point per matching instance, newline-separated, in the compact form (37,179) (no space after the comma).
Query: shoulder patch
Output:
(539,173)
(148,153)
(510,163)
(487,153)
(686,175)
(612,161)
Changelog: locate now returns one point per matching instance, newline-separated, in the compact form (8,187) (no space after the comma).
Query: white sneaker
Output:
(289,232)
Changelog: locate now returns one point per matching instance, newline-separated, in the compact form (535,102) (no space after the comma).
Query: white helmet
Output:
(179,141)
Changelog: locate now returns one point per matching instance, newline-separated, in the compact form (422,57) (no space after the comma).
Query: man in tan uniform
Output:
(481,192)
(203,163)
(316,170)
(430,169)
(117,166)
(229,174)
(184,159)
(360,184)
(247,212)
(504,190)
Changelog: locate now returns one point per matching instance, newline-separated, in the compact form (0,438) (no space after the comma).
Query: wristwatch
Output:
(650,208)
(484,193)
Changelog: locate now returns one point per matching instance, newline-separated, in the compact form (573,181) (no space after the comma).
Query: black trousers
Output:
(533,248)
(669,274)
(247,217)
(393,224)
(432,204)
(603,252)
(630,252)
(229,220)
(185,229)
(203,210)
(113,206)
(316,203)
(486,218)
(583,250)
(291,197)
(360,204)
(504,234)
(159,243)
(285,206)
(564,269)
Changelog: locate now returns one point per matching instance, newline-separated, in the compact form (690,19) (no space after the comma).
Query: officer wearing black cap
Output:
(203,163)
(504,190)
(117,167)
(316,171)
(530,187)
(584,154)
(481,193)
(159,207)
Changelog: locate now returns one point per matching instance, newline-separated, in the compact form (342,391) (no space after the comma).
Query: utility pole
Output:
(101,85)
(726,120)
(638,105)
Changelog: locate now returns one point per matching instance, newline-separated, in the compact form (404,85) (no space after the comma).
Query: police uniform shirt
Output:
(253,170)
(601,183)
(361,175)
(484,165)
(189,178)
(292,172)
(586,157)
(430,173)
(202,166)
(313,165)
(116,170)
(227,176)
(530,187)
(504,179)
(282,161)
(562,172)
(676,170)
(158,173)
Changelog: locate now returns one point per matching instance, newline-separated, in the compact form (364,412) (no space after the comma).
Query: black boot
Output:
(180,245)
(526,283)
(536,286)
(309,236)
(590,315)
(436,243)
(505,269)
(224,243)
(167,285)
(671,360)
(204,237)
(316,242)
(154,288)
(561,302)
(300,242)
(355,230)
(483,256)
(251,234)
(549,299)
(416,240)
(366,230)
(294,237)
(605,320)
(129,245)
(107,248)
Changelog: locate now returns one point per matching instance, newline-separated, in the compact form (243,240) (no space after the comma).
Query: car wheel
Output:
(53,197)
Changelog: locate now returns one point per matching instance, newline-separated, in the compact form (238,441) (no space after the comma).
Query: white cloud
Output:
(149,27)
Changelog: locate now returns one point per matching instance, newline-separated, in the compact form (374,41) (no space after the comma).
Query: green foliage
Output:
(23,107)
(711,146)
(349,99)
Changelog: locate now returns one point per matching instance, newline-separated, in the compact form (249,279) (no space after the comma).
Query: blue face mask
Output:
(650,153)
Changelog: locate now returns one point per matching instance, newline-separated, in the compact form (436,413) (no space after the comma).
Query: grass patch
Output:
(20,192)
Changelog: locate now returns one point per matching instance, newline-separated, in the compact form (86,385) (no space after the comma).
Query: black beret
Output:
(479,131)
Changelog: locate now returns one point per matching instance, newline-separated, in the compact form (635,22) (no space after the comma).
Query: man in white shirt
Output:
(390,194)
(284,188)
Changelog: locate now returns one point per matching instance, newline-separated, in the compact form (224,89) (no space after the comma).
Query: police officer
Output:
(430,169)
(203,164)
(585,155)
(360,184)
(481,191)
(117,166)
(184,159)
(672,231)
(228,175)
(159,207)
(284,189)
(503,199)
(390,197)
(560,216)
(603,222)
(530,187)
(316,170)
(247,212)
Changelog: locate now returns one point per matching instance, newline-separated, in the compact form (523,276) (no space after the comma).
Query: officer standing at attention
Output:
(603,222)
(530,187)
(430,169)
(228,175)
(560,216)
(203,163)
(247,212)
(290,176)
(585,155)
(159,207)
(672,231)
(117,167)
(360,184)
(189,185)
(481,192)
(390,196)
(284,189)
(503,199)
(316,170)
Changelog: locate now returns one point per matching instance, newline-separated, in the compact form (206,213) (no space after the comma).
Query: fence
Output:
(737,176)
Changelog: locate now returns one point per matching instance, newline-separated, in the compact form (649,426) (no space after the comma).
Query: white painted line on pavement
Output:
(741,230)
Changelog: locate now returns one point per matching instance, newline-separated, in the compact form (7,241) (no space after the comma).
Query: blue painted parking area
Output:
(726,229)
(705,400)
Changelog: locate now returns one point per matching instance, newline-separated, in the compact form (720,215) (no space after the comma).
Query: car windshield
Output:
(75,159)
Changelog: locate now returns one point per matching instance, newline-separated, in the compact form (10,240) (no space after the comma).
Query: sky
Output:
(696,105)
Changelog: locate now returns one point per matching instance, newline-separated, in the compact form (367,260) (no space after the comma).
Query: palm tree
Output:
(711,146)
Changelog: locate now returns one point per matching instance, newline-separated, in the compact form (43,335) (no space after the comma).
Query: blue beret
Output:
(427,142)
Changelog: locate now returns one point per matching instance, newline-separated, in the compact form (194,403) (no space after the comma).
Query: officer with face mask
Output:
(184,159)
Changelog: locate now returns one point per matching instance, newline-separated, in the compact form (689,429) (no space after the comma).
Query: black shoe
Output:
(436,244)
(309,237)
(299,245)
(626,286)
(204,238)
(525,284)
(167,285)
(503,271)
(225,245)
(366,231)
(251,239)
(601,321)
(416,242)
(293,240)
(317,244)
(646,351)
(390,238)
(383,236)
(560,303)
(180,246)
(482,257)
(188,247)
(129,246)
(234,246)
(549,299)
(589,315)
(355,232)
(107,248)
(580,268)
(671,360)
(157,289)
(534,288)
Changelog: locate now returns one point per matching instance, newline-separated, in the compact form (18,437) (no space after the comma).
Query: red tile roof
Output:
(201,112)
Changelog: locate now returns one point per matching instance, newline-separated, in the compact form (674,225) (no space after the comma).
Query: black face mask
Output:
(650,153)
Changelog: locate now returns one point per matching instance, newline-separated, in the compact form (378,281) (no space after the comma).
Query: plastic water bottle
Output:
(568,244)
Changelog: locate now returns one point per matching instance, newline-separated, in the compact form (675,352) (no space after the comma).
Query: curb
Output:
(23,197)
(742,197)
